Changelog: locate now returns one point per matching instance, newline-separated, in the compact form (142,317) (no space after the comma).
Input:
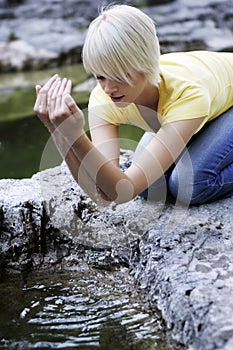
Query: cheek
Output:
(137,89)
(101,84)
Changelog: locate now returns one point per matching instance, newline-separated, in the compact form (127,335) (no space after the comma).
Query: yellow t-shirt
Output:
(193,84)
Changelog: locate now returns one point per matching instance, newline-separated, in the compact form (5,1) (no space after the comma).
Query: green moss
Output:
(12,36)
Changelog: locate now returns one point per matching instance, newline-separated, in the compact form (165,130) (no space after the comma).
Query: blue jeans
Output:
(204,171)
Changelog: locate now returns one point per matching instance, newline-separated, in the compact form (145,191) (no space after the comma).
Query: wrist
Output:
(71,136)
(79,139)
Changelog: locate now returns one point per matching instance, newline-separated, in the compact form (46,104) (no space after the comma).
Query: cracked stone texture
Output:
(181,258)
(188,272)
(182,25)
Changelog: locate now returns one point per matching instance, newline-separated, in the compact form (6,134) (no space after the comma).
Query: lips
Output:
(116,98)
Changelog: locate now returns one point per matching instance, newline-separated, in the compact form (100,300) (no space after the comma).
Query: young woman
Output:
(182,100)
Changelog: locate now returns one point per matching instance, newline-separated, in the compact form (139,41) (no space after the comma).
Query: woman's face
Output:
(122,93)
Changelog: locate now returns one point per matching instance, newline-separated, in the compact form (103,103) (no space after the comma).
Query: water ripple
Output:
(82,311)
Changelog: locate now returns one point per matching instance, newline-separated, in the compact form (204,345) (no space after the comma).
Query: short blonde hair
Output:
(121,40)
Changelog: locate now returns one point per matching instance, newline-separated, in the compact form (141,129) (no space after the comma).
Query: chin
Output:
(122,104)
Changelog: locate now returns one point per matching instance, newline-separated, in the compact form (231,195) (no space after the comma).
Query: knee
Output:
(186,190)
(180,188)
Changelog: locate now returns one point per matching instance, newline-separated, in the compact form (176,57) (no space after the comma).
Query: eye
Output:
(100,77)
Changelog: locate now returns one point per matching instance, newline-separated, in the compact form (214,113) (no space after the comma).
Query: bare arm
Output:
(85,161)
(94,169)
(66,151)
(105,137)
(162,151)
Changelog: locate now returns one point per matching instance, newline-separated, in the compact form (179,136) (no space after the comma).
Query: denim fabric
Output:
(204,172)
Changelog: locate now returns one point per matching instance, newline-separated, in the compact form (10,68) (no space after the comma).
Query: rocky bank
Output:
(181,258)
(51,33)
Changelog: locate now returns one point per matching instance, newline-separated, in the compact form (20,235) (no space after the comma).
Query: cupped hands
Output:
(57,109)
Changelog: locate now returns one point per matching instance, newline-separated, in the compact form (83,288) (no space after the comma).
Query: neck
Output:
(149,97)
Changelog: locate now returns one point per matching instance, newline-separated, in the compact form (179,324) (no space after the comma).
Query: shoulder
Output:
(100,105)
(98,97)
(196,60)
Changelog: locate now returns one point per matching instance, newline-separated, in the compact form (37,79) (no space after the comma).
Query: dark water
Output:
(22,135)
(22,143)
(80,310)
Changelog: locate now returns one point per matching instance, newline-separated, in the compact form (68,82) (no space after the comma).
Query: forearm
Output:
(96,174)
(78,172)
(110,180)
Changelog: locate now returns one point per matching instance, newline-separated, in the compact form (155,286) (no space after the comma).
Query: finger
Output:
(40,106)
(68,87)
(56,98)
(45,89)
(38,88)
(53,91)
(63,86)
(52,96)
(38,109)
(50,82)
(61,92)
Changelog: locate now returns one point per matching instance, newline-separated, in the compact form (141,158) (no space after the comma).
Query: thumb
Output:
(38,88)
(71,104)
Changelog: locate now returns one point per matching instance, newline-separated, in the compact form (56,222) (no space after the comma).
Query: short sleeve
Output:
(193,102)
(101,106)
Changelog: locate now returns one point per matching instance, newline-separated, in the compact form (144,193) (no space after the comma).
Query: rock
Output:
(156,2)
(45,218)
(187,270)
(181,258)
(199,25)
(52,26)
(19,55)
(87,85)
(59,28)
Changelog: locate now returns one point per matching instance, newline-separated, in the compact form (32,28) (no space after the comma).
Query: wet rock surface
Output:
(181,258)
(51,34)
(187,271)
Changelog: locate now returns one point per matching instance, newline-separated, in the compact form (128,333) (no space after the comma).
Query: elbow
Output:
(103,203)
(101,199)
(119,192)
(125,191)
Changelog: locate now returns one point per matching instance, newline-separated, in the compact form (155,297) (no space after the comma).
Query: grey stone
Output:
(19,55)
(181,258)
(188,272)
(59,28)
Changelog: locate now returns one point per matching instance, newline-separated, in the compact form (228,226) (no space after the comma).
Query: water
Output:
(22,135)
(77,310)
(23,140)
(21,145)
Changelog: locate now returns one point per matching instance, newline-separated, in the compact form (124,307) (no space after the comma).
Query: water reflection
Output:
(88,310)
(22,135)
(21,145)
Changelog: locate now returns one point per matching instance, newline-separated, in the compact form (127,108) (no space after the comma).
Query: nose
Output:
(110,86)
